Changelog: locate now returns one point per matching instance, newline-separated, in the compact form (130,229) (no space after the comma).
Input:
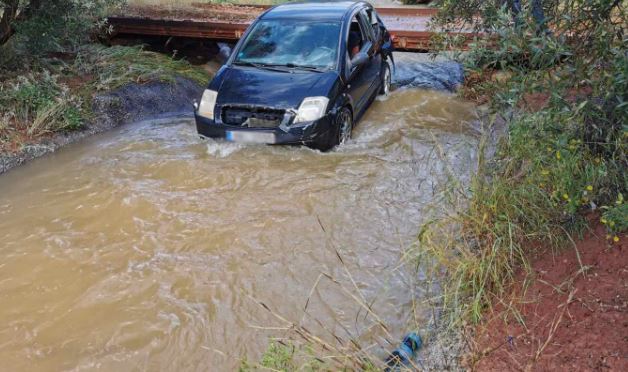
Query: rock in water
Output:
(418,72)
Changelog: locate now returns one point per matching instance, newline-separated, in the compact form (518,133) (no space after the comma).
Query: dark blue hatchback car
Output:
(303,73)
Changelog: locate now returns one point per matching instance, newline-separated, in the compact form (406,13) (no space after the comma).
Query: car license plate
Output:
(250,136)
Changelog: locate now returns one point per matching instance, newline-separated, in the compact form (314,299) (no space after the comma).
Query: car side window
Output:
(356,38)
(367,17)
(374,21)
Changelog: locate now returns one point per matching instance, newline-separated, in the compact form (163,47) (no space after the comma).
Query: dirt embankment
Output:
(573,316)
(130,103)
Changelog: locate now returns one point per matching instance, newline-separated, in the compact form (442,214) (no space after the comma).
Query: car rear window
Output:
(296,42)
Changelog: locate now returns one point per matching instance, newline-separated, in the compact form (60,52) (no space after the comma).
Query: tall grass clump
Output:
(34,105)
(557,80)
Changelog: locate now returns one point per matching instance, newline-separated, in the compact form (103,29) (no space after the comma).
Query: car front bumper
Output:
(316,133)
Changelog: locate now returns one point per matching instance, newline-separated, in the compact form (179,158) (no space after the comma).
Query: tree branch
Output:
(9,13)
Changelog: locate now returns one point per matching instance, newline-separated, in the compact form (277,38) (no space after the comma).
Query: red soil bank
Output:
(573,321)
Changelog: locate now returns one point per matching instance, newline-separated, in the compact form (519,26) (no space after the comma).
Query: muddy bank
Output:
(130,103)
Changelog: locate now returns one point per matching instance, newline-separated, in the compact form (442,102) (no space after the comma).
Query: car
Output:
(302,73)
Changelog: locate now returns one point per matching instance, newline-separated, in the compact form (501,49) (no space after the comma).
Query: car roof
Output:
(325,10)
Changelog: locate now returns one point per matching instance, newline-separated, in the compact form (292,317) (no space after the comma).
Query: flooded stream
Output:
(147,248)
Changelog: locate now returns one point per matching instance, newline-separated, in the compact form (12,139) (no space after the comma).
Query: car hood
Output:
(252,86)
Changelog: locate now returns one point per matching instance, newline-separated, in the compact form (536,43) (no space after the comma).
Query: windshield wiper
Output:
(300,67)
(260,65)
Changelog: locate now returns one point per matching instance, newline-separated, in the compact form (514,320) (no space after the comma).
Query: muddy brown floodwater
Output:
(146,248)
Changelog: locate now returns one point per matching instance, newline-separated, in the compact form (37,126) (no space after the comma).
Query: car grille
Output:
(252,117)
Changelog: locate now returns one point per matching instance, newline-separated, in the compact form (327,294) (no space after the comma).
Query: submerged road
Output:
(147,248)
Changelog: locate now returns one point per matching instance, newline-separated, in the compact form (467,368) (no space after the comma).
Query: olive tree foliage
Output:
(49,25)
(562,15)
(587,28)
(573,50)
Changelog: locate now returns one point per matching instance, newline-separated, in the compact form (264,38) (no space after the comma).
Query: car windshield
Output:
(291,43)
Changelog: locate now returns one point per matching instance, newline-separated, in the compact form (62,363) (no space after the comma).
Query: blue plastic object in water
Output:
(403,355)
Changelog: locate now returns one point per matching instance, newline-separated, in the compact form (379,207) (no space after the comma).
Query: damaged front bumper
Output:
(316,133)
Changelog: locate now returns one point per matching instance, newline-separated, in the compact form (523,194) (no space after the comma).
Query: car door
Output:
(374,65)
(358,77)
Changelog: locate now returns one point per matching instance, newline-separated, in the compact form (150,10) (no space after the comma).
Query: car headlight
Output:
(312,108)
(208,101)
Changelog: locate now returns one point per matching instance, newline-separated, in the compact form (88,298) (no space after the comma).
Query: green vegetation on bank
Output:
(51,67)
(561,90)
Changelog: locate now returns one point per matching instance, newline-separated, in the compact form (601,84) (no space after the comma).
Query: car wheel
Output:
(386,79)
(344,126)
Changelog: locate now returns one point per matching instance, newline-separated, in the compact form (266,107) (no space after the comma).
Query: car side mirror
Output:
(359,59)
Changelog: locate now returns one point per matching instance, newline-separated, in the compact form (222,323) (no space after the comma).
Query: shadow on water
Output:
(145,247)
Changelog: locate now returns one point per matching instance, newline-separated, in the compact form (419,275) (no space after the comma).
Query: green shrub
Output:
(52,26)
